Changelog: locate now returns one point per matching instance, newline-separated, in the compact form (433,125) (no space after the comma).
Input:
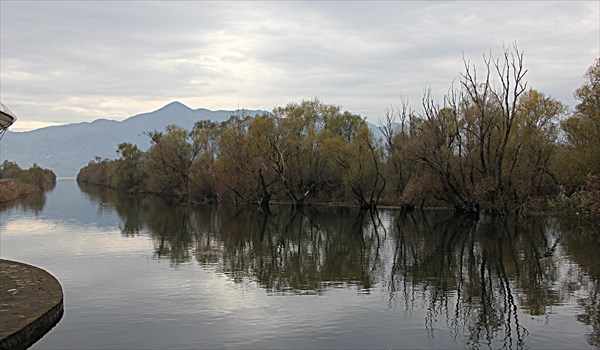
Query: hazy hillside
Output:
(67,148)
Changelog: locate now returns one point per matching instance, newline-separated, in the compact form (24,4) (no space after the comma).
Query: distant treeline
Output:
(494,144)
(16,182)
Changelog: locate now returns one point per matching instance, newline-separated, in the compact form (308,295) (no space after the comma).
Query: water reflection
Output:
(478,278)
(34,203)
(581,242)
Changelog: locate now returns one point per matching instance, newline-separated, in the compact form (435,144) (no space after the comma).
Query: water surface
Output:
(138,273)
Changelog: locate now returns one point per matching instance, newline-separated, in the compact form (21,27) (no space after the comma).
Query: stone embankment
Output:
(31,303)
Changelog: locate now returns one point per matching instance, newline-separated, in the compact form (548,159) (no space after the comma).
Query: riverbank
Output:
(11,189)
(31,303)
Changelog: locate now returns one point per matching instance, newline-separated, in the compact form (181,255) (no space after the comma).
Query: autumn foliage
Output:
(493,144)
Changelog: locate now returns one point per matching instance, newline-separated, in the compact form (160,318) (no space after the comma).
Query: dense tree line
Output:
(492,144)
(304,152)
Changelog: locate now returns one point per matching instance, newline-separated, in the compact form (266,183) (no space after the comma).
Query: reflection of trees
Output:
(537,273)
(474,276)
(171,227)
(34,202)
(581,241)
(172,231)
(289,251)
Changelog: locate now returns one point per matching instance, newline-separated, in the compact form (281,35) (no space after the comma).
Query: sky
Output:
(69,61)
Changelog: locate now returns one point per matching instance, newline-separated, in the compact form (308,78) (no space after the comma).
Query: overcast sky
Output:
(65,62)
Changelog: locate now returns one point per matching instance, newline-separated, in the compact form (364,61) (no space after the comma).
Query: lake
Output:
(140,274)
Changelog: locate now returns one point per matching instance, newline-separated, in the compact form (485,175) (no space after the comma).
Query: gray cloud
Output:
(72,61)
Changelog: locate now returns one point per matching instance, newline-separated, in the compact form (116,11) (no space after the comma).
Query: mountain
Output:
(67,148)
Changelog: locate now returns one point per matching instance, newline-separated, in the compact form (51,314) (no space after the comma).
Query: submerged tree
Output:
(490,144)
(169,161)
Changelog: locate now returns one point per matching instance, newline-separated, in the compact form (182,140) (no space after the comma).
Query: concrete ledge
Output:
(31,303)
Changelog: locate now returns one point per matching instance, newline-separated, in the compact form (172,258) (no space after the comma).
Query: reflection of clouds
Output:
(28,226)
(69,237)
(326,278)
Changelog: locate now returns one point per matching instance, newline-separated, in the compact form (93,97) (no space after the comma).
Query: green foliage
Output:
(41,178)
(10,170)
(533,146)
(580,155)
(16,182)
(169,161)
(125,172)
(127,168)
(98,172)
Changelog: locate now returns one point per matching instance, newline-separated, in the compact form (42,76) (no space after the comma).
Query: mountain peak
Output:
(78,143)
(175,106)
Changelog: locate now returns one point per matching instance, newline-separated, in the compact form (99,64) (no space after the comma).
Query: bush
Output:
(12,189)
(585,202)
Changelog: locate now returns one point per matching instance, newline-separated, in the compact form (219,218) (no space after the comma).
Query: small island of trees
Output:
(494,144)
(16,182)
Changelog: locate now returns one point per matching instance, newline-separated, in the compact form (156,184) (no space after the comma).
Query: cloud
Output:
(77,61)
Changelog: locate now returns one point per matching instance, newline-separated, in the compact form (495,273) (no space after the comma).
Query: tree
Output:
(532,147)
(297,155)
(206,135)
(581,155)
(235,165)
(363,173)
(169,161)
(128,172)
(10,170)
(465,143)
(263,135)
(39,177)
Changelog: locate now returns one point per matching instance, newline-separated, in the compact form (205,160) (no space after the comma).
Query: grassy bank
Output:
(11,189)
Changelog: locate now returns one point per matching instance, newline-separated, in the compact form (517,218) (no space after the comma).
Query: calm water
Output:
(139,274)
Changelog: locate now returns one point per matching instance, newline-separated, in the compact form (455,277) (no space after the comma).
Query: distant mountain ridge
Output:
(67,148)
